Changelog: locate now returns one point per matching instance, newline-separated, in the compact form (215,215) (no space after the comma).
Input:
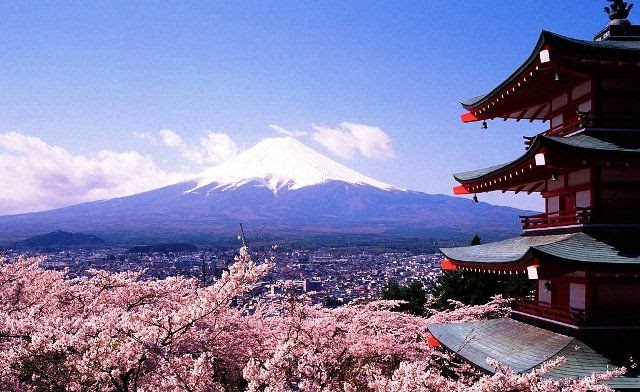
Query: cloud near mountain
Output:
(37,176)
(216,147)
(287,132)
(349,139)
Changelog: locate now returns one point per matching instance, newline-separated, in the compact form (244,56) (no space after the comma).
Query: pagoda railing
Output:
(566,128)
(579,216)
(573,316)
(546,310)
(586,120)
(569,127)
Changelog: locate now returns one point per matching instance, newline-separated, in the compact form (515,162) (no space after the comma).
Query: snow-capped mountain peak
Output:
(282,162)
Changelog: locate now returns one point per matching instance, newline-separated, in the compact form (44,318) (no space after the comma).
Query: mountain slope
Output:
(281,184)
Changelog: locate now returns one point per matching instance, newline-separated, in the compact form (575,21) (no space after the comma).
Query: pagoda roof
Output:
(515,250)
(608,248)
(525,347)
(588,142)
(538,75)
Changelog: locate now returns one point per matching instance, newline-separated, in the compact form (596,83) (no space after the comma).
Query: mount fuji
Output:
(281,185)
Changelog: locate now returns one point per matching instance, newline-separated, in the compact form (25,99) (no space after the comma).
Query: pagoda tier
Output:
(559,81)
(551,157)
(589,179)
(584,280)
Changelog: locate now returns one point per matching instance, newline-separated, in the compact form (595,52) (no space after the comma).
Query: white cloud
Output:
(287,132)
(217,147)
(146,136)
(349,139)
(172,139)
(37,176)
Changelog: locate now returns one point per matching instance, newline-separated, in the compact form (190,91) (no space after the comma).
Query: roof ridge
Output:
(567,237)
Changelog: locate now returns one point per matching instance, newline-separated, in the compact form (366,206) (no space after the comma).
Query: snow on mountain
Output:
(281,163)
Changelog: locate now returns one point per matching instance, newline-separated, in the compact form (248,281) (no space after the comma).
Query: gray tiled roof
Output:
(524,347)
(475,174)
(610,249)
(599,248)
(588,142)
(602,140)
(627,46)
(511,250)
(513,343)
(472,101)
(624,48)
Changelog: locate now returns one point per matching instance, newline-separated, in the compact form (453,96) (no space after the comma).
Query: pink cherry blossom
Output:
(120,332)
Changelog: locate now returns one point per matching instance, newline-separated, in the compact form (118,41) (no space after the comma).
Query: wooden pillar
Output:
(596,194)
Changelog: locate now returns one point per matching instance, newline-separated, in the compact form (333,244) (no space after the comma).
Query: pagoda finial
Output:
(619,11)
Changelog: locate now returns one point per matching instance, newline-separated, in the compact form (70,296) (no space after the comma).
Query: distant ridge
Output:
(61,238)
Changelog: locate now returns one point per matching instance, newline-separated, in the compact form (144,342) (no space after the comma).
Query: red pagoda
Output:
(583,252)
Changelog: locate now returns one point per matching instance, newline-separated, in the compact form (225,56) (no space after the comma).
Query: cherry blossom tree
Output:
(317,349)
(121,332)
(118,332)
(496,308)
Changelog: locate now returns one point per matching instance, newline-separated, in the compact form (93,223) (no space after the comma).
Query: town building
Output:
(583,252)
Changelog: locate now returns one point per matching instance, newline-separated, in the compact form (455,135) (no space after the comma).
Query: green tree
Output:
(413,294)
(476,288)
(332,302)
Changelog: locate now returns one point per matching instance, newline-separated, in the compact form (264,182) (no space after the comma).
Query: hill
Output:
(62,239)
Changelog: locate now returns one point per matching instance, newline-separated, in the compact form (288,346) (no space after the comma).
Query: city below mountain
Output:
(163,248)
(281,187)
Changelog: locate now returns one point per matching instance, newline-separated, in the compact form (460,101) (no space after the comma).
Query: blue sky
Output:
(78,78)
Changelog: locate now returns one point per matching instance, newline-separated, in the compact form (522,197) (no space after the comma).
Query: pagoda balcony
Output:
(574,125)
(578,318)
(588,120)
(550,220)
(529,307)
(566,128)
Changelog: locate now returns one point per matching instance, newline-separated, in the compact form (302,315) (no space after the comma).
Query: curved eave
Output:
(518,266)
(506,254)
(602,249)
(489,172)
(597,249)
(475,176)
(523,347)
(609,49)
(473,103)
(491,178)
